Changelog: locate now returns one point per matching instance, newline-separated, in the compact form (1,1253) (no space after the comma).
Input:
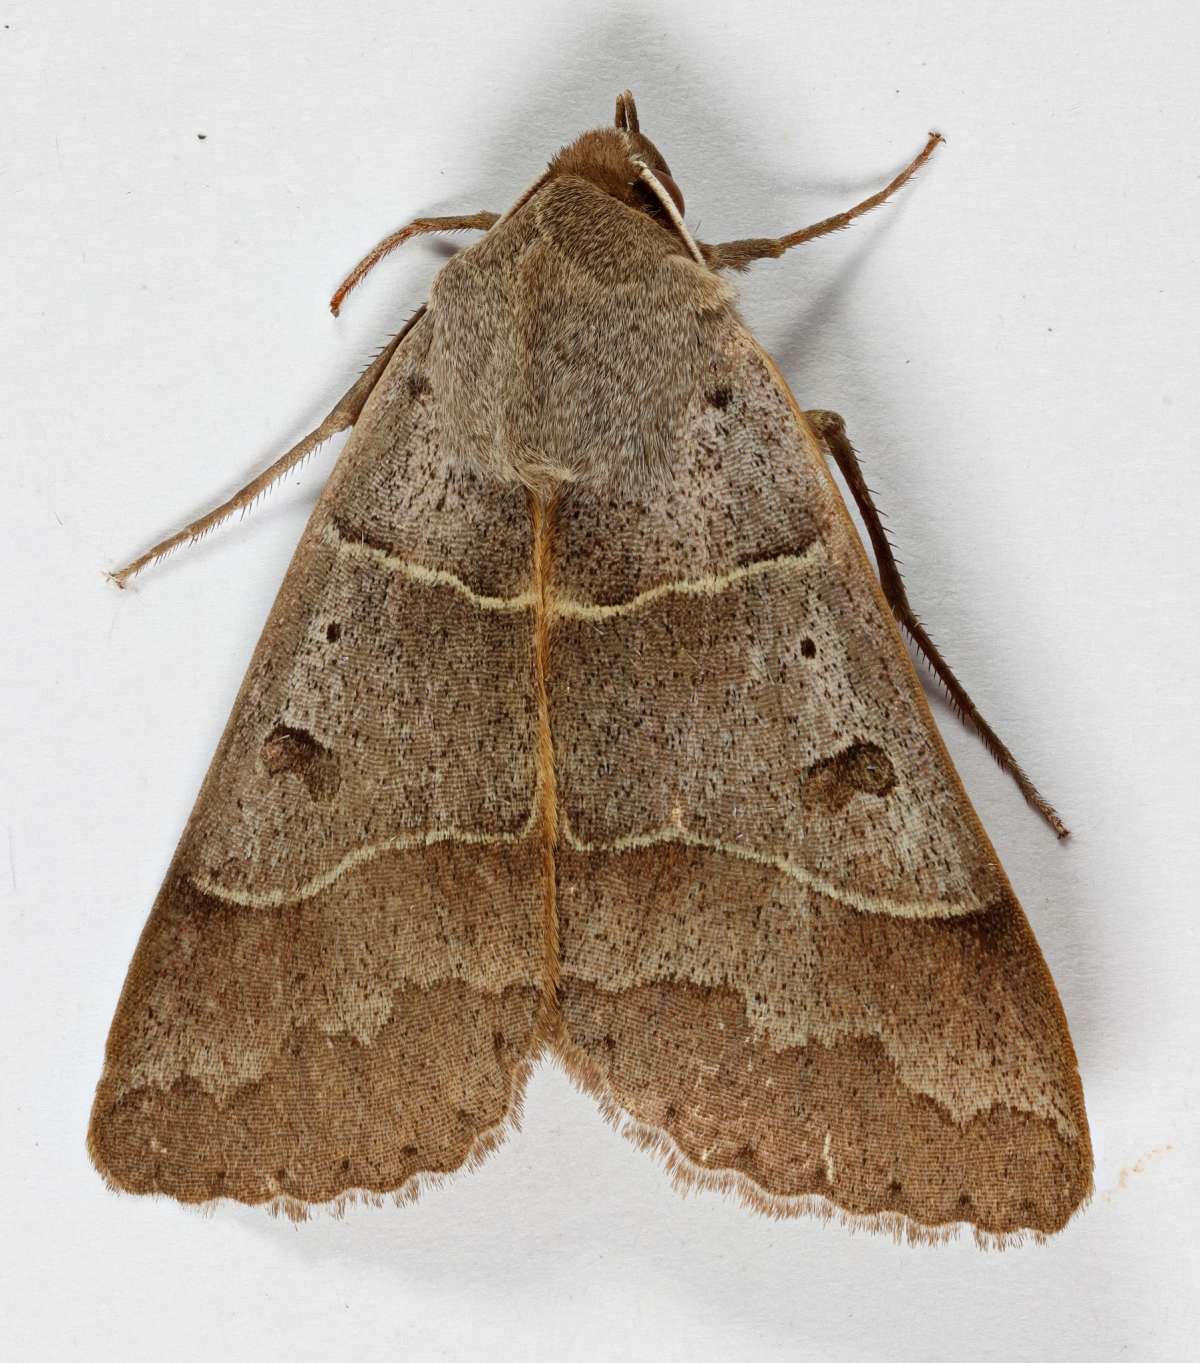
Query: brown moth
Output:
(583,728)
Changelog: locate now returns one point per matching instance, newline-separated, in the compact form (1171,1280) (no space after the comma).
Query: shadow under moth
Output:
(582,727)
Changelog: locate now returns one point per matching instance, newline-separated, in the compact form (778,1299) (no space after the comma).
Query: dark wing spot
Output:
(868,768)
(720,397)
(333,631)
(860,769)
(286,749)
(807,648)
(418,386)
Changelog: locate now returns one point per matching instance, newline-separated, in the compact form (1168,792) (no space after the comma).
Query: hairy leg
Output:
(345,413)
(832,431)
(470,222)
(740,255)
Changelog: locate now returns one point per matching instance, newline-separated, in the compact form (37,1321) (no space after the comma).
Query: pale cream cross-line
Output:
(673,833)
(565,607)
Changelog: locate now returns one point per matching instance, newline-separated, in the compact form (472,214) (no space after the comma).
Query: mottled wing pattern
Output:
(788,951)
(337,987)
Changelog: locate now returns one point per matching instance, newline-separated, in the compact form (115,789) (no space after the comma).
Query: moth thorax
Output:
(567,345)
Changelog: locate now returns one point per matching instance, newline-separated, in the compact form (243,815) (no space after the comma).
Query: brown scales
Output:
(582,727)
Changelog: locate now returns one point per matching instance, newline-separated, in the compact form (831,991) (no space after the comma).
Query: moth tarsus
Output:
(473,222)
(740,255)
(582,728)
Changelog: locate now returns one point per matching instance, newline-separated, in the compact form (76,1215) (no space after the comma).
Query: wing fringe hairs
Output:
(684,1173)
(688,1177)
(296,1210)
(582,728)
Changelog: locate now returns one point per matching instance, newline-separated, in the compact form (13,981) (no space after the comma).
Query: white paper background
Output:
(1014,348)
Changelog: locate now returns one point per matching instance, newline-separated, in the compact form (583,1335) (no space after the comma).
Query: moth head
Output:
(617,160)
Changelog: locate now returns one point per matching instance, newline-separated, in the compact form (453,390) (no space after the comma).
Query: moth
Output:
(583,728)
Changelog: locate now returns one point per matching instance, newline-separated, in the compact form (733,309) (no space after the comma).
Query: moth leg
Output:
(740,255)
(471,222)
(832,431)
(344,414)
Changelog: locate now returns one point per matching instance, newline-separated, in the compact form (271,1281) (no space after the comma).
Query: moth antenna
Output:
(627,116)
(660,193)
